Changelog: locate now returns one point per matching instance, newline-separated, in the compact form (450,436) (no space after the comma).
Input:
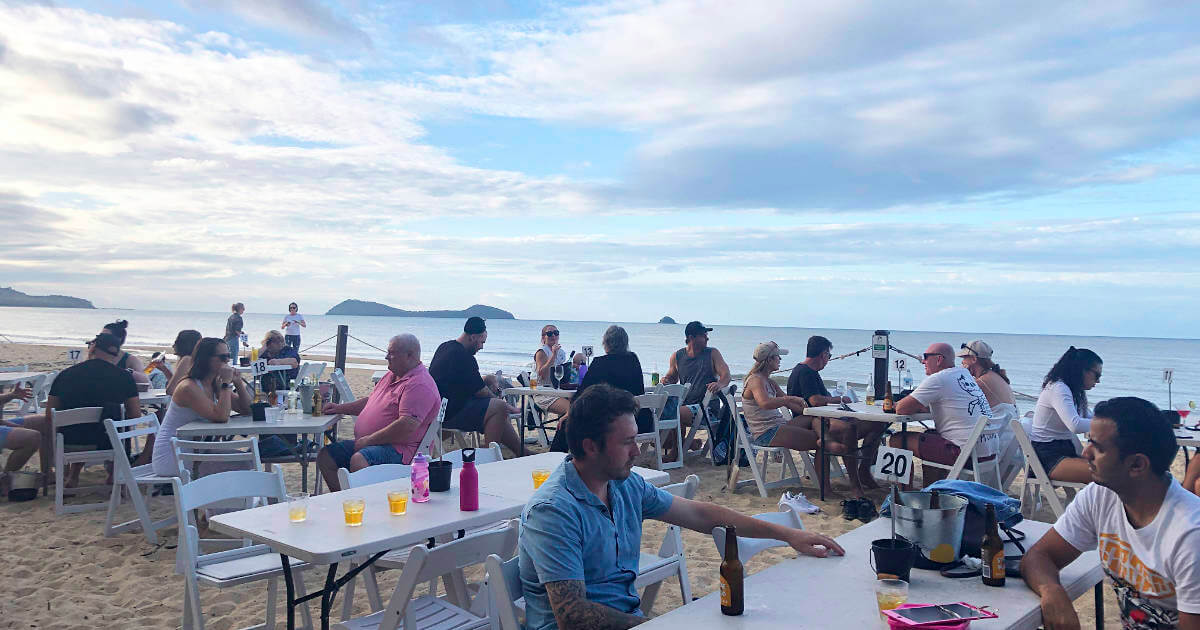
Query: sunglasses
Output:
(224,357)
(968,349)
(293,308)
(551,333)
(929,355)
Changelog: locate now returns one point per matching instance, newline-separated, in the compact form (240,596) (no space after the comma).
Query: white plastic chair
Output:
(760,457)
(14,368)
(703,422)
(130,480)
(64,456)
(655,403)
(670,561)
(194,456)
(748,547)
(310,369)
(38,390)
(534,416)
(431,442)
(493,453)
(345,394)
(446,562)
(1036,476)
(504,591)
(982,449)
(223,569)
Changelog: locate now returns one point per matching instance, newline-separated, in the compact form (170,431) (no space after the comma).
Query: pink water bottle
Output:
(420,478)
(468,483)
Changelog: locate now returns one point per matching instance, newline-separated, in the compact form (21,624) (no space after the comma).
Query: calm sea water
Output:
(1132,366)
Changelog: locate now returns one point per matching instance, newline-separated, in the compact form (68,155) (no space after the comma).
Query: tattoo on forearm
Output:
(568,600)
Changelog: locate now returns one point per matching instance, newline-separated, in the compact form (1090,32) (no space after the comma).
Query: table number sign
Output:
(893,465)
(74,355)
(259,367)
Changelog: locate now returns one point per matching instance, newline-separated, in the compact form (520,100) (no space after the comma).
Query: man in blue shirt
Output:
(581,533)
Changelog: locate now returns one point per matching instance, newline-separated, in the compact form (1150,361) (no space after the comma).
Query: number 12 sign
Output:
(893,465)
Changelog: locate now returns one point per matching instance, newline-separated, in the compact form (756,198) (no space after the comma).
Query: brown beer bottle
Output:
(732,586)
(935,502)
(318,400)
(889,403)
(992,554)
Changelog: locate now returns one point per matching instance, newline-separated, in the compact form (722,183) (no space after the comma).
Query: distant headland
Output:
(666,320)
(12,297)
(361,307)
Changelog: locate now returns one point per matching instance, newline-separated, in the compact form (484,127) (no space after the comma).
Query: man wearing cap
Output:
(950,393)
(471,405)
(701,366)
(977,359)
(97,382)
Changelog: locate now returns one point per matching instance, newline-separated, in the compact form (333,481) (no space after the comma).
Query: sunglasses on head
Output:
(224,357)
(968,349)
(551,333)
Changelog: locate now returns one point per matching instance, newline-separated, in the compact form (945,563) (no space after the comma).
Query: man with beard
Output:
(471,405)
(581,532)
(1141,520)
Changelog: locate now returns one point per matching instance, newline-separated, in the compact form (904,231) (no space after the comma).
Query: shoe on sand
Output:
(850,509)
(866,510)
(798,502)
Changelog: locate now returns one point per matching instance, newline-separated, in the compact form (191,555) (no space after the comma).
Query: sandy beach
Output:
(63,573)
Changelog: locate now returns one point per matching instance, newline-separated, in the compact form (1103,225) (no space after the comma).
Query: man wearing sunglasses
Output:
(957,403)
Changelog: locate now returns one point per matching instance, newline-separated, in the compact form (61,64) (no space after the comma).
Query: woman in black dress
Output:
(619,368)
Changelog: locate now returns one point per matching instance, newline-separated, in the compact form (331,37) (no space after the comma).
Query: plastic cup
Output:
(540,475)
(298,507)
(398,502)
(353,510)
(889,594)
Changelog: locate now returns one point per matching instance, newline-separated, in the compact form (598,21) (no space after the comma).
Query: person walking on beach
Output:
(699,365)
(581,532)
(951,394)
(472,406)
(292,323)
(1144,524)
(233,329)
(1062,413)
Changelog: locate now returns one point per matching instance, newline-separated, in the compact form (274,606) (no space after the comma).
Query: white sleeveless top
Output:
(559,358)
(163,459)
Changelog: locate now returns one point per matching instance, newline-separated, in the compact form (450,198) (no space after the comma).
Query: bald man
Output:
(391,421)
(957,403)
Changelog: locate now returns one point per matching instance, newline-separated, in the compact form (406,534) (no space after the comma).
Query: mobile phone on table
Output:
(938,613)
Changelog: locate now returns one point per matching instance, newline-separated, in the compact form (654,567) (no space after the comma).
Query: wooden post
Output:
(339,356)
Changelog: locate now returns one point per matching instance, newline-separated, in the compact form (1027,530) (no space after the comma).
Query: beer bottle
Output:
(732,586)
(935,503)
(318,402)
(992,554)
(889,403)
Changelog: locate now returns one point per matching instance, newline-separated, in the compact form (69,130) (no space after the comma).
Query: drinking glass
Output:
(1184,411)
(539,477)
(889,594)
(558,373)
(298,507)
(398,502)
(533,380)
(353,510)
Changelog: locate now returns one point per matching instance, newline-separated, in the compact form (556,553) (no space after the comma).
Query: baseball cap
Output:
(695,328)
(767,349)
(107,342)
(474,326)
(977,349)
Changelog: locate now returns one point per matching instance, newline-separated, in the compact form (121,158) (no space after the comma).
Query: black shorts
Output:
(1052,452)
(91,435)
(470,417)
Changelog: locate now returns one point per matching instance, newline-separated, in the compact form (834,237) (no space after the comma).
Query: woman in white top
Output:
(549,355)
(292,323)
(1062,413)
(210,391)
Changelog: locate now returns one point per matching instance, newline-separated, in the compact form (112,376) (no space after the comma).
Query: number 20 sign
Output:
(893,465)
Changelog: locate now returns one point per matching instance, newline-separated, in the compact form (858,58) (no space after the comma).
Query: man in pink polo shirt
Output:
(391,421)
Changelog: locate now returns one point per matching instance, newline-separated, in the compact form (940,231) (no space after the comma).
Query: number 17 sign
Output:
(893,465)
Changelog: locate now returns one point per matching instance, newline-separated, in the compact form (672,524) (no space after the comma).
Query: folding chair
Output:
(504,592)
(1035,475)
(446,562)
(982,449)
(130,479)
(703,422)
(308,368)
(493,453)
(670,560)
(233,567)
(748,547)
(342,387)
(758,465)
(655,404)
(65,455)
(534,418)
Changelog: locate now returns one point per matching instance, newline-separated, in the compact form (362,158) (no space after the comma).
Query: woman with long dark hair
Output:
(127,361)
(210,391)
(1062,412)
(184,346)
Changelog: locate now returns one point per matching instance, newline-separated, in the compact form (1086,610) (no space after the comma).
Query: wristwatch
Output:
(226,385)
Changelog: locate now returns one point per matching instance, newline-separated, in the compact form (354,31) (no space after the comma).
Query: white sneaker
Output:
(798,503)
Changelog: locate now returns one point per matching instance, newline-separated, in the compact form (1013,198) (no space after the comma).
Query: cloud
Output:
(307,18)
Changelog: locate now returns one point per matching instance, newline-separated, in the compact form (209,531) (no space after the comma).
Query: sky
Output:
(1015,167)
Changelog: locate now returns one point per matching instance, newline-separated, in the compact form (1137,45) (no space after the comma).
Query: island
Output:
(362,307)
(666,320)
(12,297)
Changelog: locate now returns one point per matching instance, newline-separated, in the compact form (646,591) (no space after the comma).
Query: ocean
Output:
(1132,366)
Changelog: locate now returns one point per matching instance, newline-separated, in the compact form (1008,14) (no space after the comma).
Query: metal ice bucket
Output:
(937,533)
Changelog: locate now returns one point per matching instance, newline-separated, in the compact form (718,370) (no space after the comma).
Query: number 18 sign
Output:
(893,465)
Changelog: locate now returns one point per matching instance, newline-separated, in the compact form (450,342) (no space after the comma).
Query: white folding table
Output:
(859,411)
(304,425)
(526,394)
(790,594)
(154,397)
(12,378)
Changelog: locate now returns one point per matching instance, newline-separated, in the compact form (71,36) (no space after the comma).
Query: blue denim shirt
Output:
(567,533)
